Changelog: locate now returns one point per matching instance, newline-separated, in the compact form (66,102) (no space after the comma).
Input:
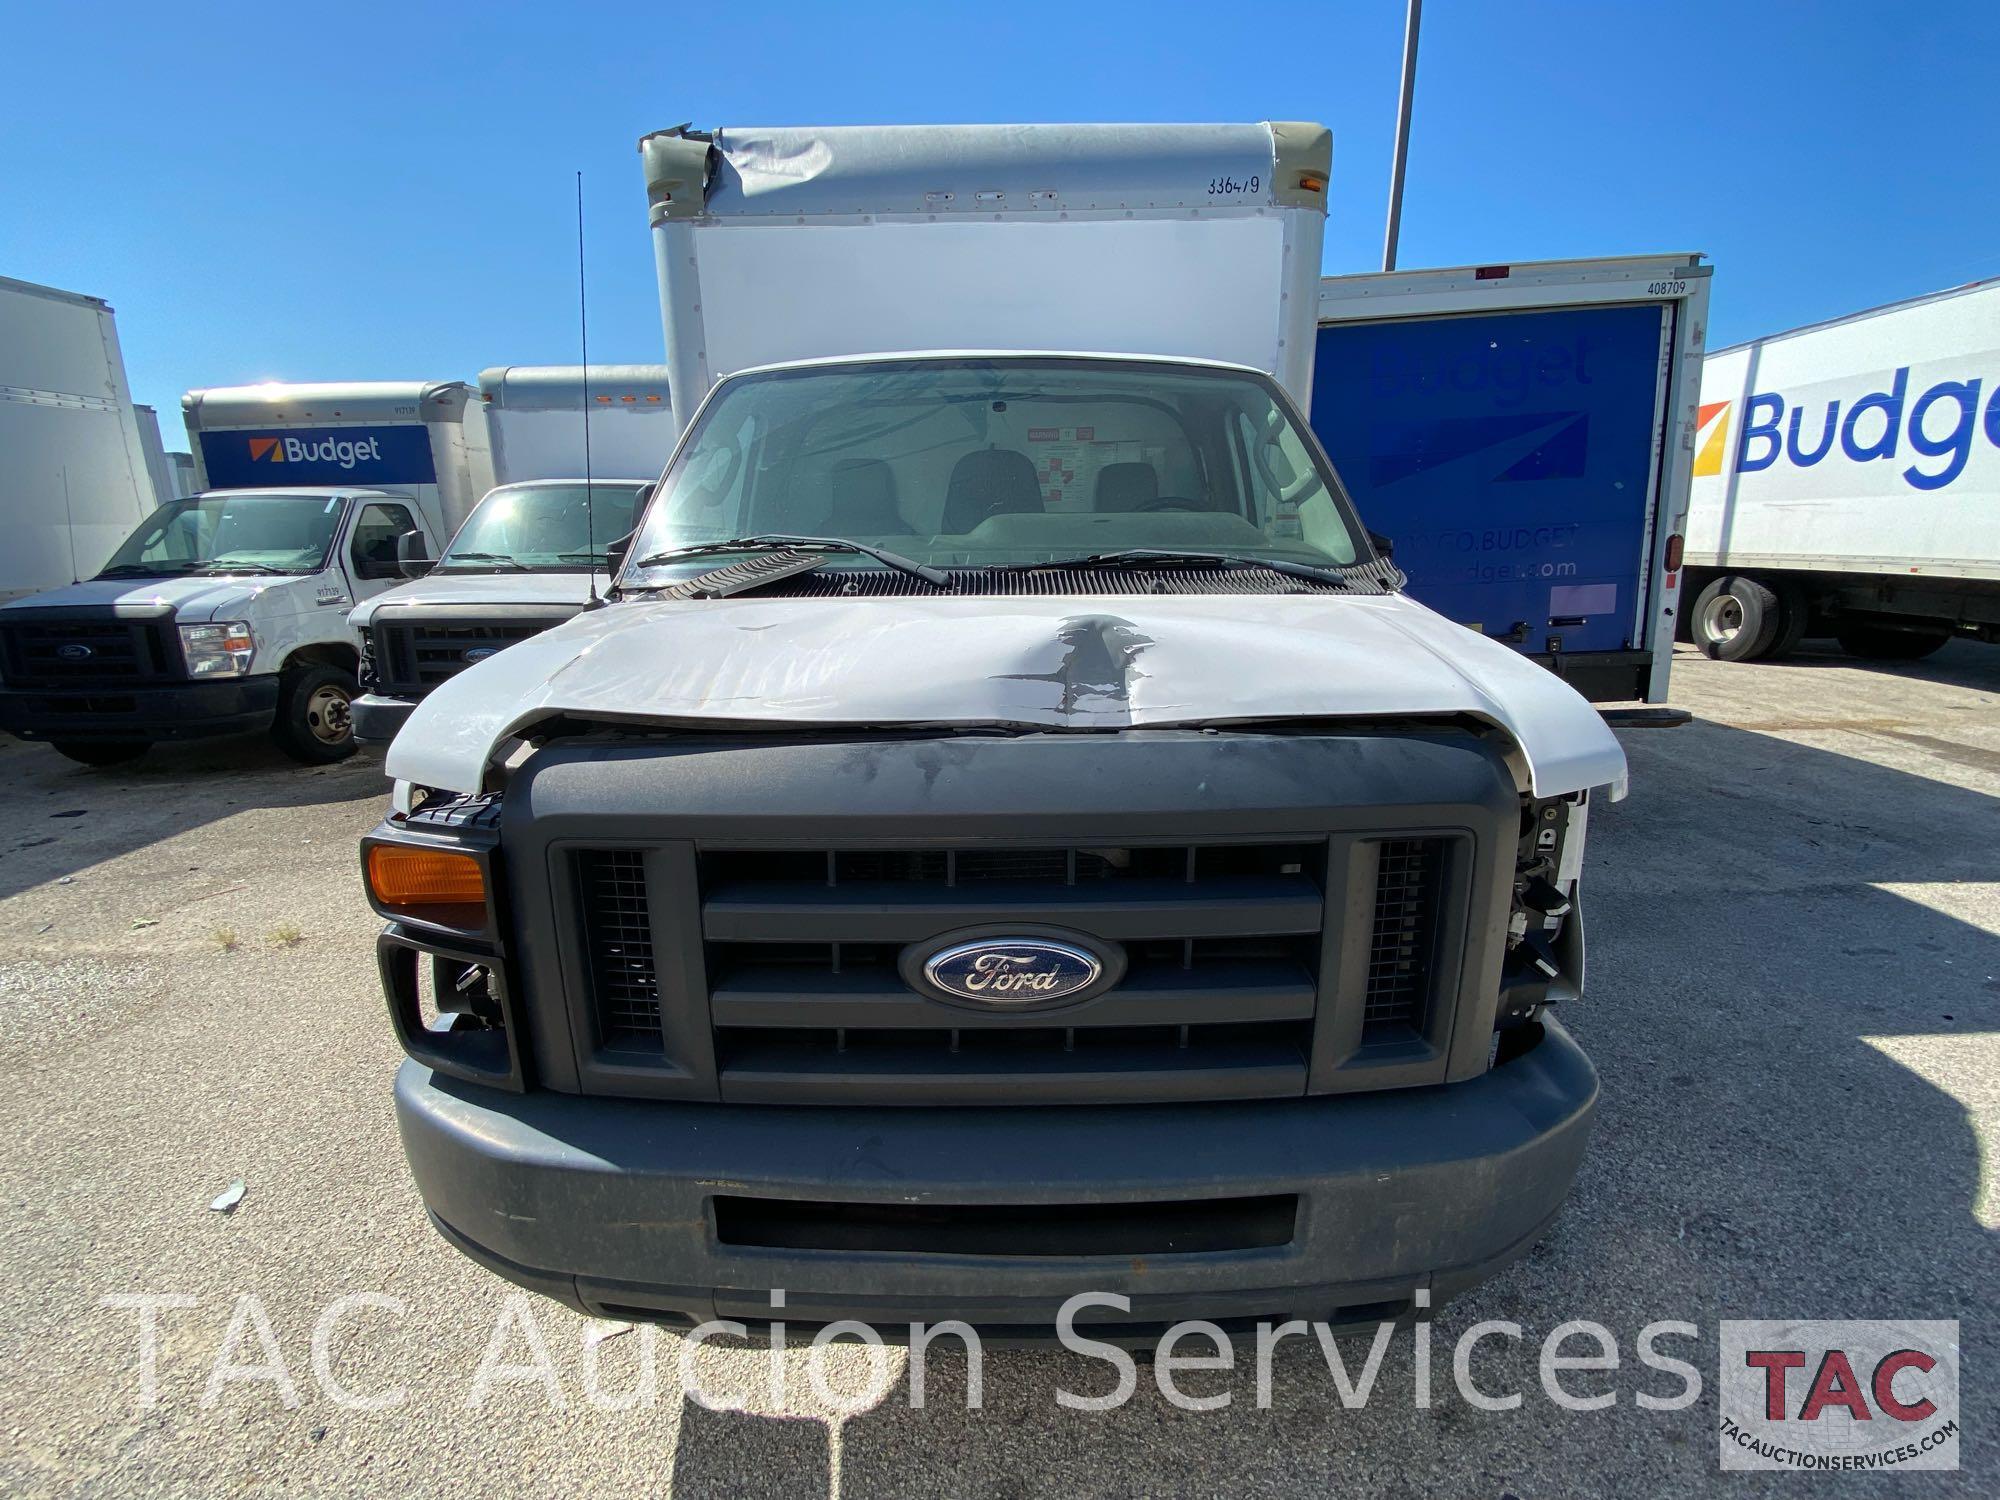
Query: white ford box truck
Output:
(1847,483)
(227,610)
(1011,834)
(73,463)
(538,547)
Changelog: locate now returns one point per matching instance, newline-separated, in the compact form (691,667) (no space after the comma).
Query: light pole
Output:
(1410,27)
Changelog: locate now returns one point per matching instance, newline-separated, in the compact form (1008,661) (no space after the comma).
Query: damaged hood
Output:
(1083,663)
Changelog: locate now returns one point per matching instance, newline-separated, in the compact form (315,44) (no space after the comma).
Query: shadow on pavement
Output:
(58,817)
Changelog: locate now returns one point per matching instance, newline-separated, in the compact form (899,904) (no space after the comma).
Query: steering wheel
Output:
(1173,502)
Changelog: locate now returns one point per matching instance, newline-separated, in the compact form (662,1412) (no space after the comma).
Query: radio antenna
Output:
(583,333)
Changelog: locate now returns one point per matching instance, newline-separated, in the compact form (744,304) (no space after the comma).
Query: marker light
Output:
(403,877)
(1675,546)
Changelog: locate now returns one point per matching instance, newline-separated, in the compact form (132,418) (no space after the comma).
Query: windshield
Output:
(244,530)
(546,525)
(1004,462)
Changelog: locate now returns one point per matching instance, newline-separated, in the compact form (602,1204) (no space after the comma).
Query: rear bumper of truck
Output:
(175,711)
(1347,1206)
(377,718)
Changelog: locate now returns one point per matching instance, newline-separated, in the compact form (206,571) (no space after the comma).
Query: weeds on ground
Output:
(285,935)
(225,939)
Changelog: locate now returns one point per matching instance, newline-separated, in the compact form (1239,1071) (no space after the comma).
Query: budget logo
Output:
(270,449)
(1711,429)
(1839,1396)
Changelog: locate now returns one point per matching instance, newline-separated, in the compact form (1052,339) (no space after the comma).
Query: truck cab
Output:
(1009,832)
(222,612)
(528,558)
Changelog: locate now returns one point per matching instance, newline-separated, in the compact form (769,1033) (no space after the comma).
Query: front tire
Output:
(1882,643)
(315,722)
(1736,618)
(100,752)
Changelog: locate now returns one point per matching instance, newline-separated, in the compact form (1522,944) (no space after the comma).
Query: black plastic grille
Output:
(1403,947)
(618,934)
(84,653)
(794,962)
(1221,943)
(416,658)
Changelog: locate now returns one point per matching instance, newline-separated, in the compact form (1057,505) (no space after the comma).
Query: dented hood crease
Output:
(1085,663)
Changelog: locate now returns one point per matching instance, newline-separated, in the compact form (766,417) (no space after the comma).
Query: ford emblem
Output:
(74,651)
(478,653)
(1011,971)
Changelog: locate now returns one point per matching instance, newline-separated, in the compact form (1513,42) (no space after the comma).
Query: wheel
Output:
(101,752)
(1885,643)
(315,723)
(1794,614)
(1735,619)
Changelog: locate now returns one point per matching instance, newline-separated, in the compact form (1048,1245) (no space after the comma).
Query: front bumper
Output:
(378,718)
(609,1205)
(175,711)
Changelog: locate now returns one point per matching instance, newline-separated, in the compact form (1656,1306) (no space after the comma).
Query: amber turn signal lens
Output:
(402,876)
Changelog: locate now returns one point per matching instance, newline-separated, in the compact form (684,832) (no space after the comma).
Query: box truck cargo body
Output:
(407,435)
(534,427)
(1008,833)
(1523,434)
(73,464)
(1847,483)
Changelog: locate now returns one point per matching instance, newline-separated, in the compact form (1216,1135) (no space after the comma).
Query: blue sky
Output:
(383,192)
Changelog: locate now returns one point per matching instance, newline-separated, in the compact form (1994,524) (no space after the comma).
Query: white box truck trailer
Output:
(1010,834)
(227,610)
(538,547)
(1524,435)
(73,471)
(1847,483)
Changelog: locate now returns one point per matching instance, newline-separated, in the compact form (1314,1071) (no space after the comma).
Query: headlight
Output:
(217,650)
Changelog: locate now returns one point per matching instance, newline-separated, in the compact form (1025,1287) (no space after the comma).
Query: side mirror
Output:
(614,552)
(413,555)
(1386,546)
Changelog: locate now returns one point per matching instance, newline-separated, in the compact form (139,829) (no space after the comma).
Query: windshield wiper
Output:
(238,567)
(147,570)
(773,542)
(1139,557)
(485,557)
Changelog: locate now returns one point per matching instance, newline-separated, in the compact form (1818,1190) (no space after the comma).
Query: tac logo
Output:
(1711,435)
(1831,1396)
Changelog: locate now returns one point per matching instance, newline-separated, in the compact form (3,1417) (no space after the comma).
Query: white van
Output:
(540,545)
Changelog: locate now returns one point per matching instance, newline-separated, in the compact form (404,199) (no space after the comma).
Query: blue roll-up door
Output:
(1510,456)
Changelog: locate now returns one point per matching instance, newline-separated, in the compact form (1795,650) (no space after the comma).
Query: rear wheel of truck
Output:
(101,752)
(1794,614)
(315,722)
(1885,643)
(1736,619)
